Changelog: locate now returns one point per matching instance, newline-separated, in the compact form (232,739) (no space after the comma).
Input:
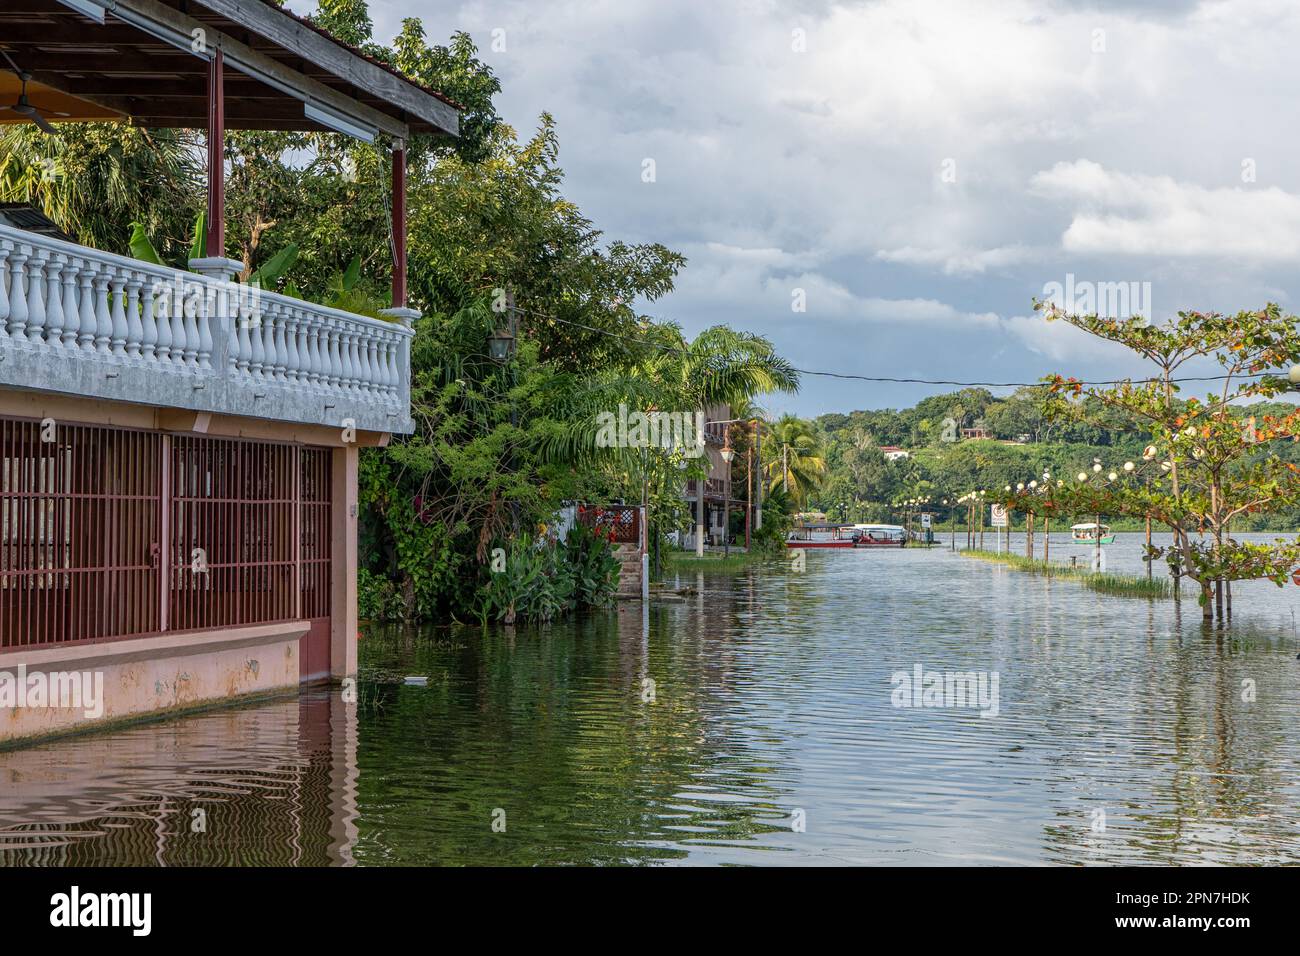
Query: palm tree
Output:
(803,460)
(721,365)
(93,179)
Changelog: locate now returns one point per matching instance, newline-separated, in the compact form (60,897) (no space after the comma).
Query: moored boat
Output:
(822,536)
(880,536)
(1086,533)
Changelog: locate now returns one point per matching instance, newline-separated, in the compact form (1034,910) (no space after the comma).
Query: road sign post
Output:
(998,518)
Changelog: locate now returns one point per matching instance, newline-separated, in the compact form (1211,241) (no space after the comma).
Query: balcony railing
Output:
(78,321)
(620,524)
(713,488)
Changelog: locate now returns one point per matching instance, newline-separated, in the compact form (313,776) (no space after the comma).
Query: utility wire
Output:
(880,378)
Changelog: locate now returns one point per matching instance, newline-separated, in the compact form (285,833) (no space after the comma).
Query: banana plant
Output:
(199,243)
(140,246)
(275,267)
(143,248)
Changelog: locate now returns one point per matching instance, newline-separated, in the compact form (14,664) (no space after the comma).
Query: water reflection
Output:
(699,732)
(269,784)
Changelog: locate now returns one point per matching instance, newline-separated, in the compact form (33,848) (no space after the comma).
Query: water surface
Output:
(750,724)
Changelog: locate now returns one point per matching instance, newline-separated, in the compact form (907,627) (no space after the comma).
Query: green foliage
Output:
(778,519)
(378,598)
(427,561)
(795,457)
(93,179)
(199,242)
(1206,463)
(593,566)
(541,580)
(275,267)
(1121,585)
(141,247)
(715,562)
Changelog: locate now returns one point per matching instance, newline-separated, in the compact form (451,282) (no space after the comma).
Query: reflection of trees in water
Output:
(1211,777)
(1126,708)
(273,780)
(550,725)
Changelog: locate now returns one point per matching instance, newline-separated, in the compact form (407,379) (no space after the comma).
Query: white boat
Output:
(1086,533)
(822,536)
(880,536)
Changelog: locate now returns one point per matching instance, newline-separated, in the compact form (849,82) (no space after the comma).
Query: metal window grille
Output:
(84,512)
(315,495)
(78,533)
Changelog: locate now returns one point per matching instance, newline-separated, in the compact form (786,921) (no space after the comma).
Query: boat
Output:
(822,536)
(880,536)
(1087,533)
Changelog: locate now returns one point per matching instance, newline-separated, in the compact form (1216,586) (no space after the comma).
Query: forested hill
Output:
(945,460)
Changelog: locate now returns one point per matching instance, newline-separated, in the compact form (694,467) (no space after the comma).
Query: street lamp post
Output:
(1047,518)
(749,491)
(1029,527)
(728,453)
(1086,477)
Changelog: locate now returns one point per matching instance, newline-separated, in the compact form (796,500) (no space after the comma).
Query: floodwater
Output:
(755,722)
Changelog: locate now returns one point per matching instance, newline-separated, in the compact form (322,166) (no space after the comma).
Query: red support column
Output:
(216,158)
(399,227)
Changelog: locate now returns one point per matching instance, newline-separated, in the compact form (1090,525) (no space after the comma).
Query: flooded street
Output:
(756,722)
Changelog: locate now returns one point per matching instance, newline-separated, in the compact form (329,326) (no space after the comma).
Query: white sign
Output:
(925,521)
(999,516)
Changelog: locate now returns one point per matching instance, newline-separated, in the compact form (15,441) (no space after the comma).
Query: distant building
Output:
(717,487)
(893,452)
(979,432)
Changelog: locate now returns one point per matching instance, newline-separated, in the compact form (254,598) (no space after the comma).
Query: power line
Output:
(880,378)
(927,381)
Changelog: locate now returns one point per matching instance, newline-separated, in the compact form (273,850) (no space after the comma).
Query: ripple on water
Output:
(771,738)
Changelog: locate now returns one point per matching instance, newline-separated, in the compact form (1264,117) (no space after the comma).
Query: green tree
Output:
(794,457)
(1204,467)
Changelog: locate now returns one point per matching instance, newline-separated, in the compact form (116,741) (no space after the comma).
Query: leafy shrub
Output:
(593,567)
(542,580)
(777,522)
(378,598)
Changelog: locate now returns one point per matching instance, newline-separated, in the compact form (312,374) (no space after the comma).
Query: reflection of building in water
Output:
(267,785)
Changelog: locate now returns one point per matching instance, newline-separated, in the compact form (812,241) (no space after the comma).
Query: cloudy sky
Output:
(916,171)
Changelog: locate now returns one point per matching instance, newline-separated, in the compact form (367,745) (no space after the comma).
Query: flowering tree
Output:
(1208,461)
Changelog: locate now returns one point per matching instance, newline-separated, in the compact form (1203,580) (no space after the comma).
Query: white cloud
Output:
(1155,215)
(963,262)
(777,168)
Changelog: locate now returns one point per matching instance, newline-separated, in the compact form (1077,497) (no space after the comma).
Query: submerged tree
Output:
(1209,460)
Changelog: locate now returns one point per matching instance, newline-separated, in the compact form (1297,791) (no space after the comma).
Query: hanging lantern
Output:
(501,346)
(501,343)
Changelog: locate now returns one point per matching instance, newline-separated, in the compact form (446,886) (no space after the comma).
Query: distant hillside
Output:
(943,462)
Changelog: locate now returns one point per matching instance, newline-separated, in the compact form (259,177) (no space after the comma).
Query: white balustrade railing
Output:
(61,300)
